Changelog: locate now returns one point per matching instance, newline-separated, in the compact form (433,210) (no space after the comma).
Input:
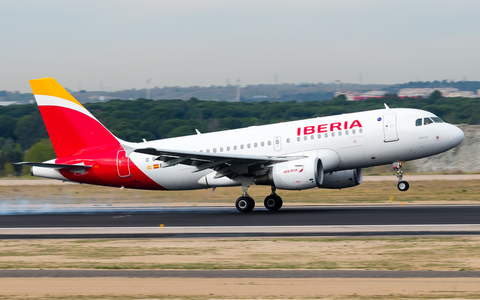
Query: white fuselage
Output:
(361,140)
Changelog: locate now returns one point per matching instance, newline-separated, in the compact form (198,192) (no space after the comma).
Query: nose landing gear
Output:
(402,185)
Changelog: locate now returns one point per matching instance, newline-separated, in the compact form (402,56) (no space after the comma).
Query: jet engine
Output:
(342,179)
(294,175)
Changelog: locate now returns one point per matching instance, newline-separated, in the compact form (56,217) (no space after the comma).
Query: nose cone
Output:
(456,135)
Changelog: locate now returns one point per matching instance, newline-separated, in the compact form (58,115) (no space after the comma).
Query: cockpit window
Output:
(427,121)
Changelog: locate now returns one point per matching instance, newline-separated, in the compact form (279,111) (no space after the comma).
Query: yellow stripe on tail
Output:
(50,87)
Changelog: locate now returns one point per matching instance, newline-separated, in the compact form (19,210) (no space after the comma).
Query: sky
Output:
(117,44)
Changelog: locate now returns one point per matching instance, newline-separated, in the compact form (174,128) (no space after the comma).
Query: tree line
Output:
(23,135)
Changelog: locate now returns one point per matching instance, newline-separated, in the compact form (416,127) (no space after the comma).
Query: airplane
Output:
(324,152)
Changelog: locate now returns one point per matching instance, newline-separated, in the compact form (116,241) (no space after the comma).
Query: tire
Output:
(273,202)
(245,204)
(403,186)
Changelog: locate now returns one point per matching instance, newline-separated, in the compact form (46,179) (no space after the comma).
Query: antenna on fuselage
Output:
(386,106)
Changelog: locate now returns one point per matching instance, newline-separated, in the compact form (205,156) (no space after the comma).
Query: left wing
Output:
(229,165)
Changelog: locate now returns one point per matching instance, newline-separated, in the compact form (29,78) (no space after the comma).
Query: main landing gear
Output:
(402,185)
(246,203)
(273,201)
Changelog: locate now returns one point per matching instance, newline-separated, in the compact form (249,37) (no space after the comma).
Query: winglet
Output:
(386,106)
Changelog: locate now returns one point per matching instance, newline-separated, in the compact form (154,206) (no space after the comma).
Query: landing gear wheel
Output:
(403,186)
(273,202)
(245,204)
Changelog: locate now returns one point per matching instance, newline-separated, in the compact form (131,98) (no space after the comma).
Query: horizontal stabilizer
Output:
(53,166)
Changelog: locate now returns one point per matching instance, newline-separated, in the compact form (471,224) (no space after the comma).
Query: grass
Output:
(423,253)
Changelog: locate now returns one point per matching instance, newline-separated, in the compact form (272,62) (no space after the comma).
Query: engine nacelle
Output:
(295,175)
(342,179)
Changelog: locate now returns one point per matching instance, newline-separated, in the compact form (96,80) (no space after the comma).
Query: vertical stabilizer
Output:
(72,128)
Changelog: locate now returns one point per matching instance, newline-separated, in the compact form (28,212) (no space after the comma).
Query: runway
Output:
(288,216)
(217,222)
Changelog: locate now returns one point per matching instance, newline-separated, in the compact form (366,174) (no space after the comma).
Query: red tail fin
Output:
(72,128)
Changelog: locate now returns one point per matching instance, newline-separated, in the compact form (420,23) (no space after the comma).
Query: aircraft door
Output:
(390,128)
(277,143)
(123,167)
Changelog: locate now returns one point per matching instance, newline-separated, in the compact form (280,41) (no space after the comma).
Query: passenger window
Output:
(326,135)
(319,136)
(277,142)
(235,147)
(339,133)
(288,140)
(214,150)
(360,130)
(221,149)
(208,150)
(418,122)
(263,144)
(346,132)
(305,138)
(269,143)
(248,145)
(312,136)
(354,131)
(241,146)
(333,134)
(255,145)
(298,139)
(228,148)
(427,121)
